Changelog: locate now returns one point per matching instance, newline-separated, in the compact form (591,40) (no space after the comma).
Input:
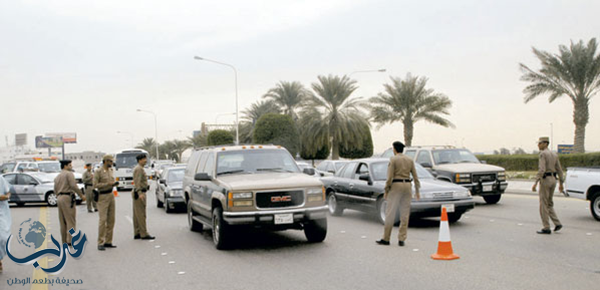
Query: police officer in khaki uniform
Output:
(103,183)
(88,182)
(548,173)
(140,188)
(398,193)
(65,188)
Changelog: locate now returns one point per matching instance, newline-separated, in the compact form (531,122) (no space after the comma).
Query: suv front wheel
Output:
(492,199)
(316,230)
(220,229)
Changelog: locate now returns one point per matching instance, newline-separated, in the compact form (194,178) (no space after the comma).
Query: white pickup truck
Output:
(584,183)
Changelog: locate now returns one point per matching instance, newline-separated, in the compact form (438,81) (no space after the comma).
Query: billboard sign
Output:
(21,139)
(47,142)
(565,148)
(67,138)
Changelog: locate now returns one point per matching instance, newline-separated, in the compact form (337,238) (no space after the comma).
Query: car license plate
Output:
(281,219)
(449,207)
(487,188)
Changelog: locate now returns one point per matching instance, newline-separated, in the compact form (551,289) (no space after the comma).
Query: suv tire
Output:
(159,203)
(220,230)
(193,224)
(335,208)
(595,205)
(316,230)
(492,199)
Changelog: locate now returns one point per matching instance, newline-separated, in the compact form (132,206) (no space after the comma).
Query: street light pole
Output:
(130,135)
(155,130)
(366,71)
(237,112)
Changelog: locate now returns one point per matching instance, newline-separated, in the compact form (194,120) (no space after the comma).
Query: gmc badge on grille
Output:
(286,198)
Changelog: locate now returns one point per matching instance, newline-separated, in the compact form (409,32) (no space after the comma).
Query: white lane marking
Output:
(163,254)
(415,250)
(180,273)
(343,232)
(588,234)
(171,262)
(363,237)
(129,219)
(156,247)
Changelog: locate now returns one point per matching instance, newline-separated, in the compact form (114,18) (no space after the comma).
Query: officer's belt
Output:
(549,174)
(401,180)
(64,193)
(105,191)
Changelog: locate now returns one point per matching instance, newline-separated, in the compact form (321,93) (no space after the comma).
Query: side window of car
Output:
(341,171)
(362,169)
(411,154)
(11,178)
(202,162)
(209,167)
(424,157)
(192,163)
(349,172)
(330,167)
(322,166)
(25,179)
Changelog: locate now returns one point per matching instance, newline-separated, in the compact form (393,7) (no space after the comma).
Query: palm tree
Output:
(332,116)
(408,101)
(198,141)
(288,96)
(574,72)
(149,145)
(179,146)
(251,115)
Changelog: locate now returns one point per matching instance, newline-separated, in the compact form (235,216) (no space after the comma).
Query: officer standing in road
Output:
(398,193)
(548,172)
(88,182)
(103,183)
(140,188)
(65,188)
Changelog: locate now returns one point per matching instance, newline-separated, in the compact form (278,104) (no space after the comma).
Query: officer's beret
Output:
(65,162)
(140,157)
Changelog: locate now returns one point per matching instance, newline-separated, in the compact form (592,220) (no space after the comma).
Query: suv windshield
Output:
(454,156)
(255,161)
(127,160)
(49,167)
(379,171)
(175,175)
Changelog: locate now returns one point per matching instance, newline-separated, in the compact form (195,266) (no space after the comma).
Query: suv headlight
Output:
(315,194)
(463,178)
(175,192)
(502,176)
(241,195)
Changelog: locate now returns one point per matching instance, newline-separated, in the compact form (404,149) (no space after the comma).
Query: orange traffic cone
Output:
(115,192)
(444,251)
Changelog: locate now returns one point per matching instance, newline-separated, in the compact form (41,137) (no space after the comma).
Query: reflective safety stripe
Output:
(444,232)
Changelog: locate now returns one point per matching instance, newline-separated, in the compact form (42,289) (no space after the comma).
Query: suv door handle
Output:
(351,184)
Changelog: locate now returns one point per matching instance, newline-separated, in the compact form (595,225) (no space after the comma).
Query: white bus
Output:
(125,162)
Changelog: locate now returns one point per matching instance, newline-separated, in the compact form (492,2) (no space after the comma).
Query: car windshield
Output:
(7,167)
(379,170)
(451,156)
(49,167)
(339,165)
(126,160)
(255,161)
(175,175)
(388,153)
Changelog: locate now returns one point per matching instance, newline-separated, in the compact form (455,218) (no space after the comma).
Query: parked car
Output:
(48,166)
(584,183)
(169,190)
(330,167)
(33,187)
(256,186)
(303,165)
(460,166)
(19,166)
(360,185)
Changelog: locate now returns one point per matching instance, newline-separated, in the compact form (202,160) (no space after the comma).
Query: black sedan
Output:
(360,185)
(169,190)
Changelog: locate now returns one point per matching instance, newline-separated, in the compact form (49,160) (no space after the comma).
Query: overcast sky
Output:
(86,66)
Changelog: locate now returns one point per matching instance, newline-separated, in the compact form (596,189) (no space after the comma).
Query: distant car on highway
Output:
(330,167)
(584,183)
(360,185)
(459,166)
(169,190)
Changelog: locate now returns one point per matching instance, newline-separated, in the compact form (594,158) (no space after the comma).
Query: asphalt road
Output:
(498,246)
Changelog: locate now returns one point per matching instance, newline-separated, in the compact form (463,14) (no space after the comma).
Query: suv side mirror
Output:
(366,177)
(202,177)
(426,165)
(33,183)
(483,161)
(309,171)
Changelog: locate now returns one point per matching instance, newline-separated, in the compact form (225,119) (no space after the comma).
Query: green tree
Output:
(288,96)
(573,72)
(251,115)
(408,101)
(332,117)
(179,146)
(198,141)
(364,151)
(219,137)
(148,144)
(279,130)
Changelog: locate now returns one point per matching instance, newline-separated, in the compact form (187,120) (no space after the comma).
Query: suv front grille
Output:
(279,199)
(484,177)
